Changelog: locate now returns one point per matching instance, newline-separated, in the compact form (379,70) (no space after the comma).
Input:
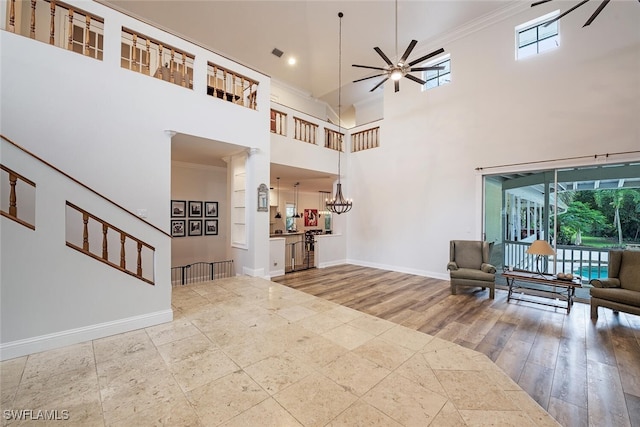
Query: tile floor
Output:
(250,352)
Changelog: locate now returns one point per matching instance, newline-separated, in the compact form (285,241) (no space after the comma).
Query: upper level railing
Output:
(305,131)
(278,122)
(15,181)
(153,58)
(230,86)
(333,140)
(58,24)
(62,25)
(365,140)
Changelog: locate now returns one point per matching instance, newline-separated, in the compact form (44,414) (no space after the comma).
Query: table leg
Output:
(510,283)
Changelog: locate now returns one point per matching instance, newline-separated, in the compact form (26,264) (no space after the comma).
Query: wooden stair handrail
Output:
(83,185)
(104,257)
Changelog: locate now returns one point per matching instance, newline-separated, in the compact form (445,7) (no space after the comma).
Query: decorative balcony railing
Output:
(333,140)
(150,57)
(305,131)
(230,86)
(588,263)
(142,249)
(365,140)
(16,181)
(278,122)
(58,24)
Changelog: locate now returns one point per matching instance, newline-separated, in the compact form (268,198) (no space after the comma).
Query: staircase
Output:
(75,264)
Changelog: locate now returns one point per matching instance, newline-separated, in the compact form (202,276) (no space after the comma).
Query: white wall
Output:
(107,127)
(191,181)
(420,188)
(52,295)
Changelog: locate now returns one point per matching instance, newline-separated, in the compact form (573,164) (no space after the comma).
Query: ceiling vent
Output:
(277,52)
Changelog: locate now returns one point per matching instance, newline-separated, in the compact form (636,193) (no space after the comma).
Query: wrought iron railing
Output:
(202,272)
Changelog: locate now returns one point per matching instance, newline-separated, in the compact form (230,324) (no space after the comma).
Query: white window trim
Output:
(432,63)
(533,23)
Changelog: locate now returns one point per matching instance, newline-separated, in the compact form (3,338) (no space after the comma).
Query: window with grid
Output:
(435,78)
(537,36)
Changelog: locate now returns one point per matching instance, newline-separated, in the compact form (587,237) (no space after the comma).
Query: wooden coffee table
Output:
(547,286)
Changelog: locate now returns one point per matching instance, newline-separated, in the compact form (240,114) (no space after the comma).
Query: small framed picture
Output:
(211,209)
(178,208)
(211,227)
(178,228)
(195,209)
(195,227)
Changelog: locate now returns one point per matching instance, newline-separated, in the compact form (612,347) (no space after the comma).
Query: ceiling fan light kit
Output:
(396,71)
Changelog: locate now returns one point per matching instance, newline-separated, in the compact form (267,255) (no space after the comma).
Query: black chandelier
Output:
(339,204)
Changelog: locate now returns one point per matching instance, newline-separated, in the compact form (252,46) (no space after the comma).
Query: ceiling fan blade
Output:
(379,84)
(407,52)
(370,68)
(381,53)
(370,77)
(396,85)
(565,13)
(596,13)
(539,2)
(415,79)
(425,68)
(424,58)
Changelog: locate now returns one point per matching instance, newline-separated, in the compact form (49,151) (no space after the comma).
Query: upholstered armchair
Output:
(469,265)
(621,290)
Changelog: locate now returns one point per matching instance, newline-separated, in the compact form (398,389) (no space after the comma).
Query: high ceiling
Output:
(247,31)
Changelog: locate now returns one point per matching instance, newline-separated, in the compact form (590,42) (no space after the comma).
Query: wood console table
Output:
(548,286)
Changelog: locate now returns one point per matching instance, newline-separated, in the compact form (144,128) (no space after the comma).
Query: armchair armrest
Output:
(452,266)
(610,282)
(487,268)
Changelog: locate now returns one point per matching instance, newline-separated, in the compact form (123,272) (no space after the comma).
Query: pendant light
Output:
(278,208)
(339,204)
(295,197)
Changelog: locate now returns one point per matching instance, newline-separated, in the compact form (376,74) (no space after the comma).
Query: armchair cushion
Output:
(630,270)
(472,274)
(469,255)
(622,296)
(487,268)
(610,282)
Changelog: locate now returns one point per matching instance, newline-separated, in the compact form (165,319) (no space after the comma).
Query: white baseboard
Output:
(332,263)
(417,272)
(253,272)
(276,273)
(40,343)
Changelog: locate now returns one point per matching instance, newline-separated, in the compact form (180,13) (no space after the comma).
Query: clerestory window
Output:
(537,36)
(435,78)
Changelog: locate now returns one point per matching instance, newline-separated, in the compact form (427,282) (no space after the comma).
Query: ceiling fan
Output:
(396,71)
(589,21)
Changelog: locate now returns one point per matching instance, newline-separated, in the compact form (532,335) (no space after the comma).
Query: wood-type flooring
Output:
(583,373)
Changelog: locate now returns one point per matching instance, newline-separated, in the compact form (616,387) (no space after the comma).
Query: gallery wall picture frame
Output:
(211,209)
(311,217)
(178,208)
(178,228)
(211,227)
(195,227)
(195,209)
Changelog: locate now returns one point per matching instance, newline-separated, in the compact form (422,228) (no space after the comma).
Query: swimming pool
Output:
(588,273)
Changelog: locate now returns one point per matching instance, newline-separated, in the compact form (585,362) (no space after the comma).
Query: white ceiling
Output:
(247,31)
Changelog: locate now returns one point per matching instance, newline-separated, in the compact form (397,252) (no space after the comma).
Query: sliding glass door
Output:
(582,212)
